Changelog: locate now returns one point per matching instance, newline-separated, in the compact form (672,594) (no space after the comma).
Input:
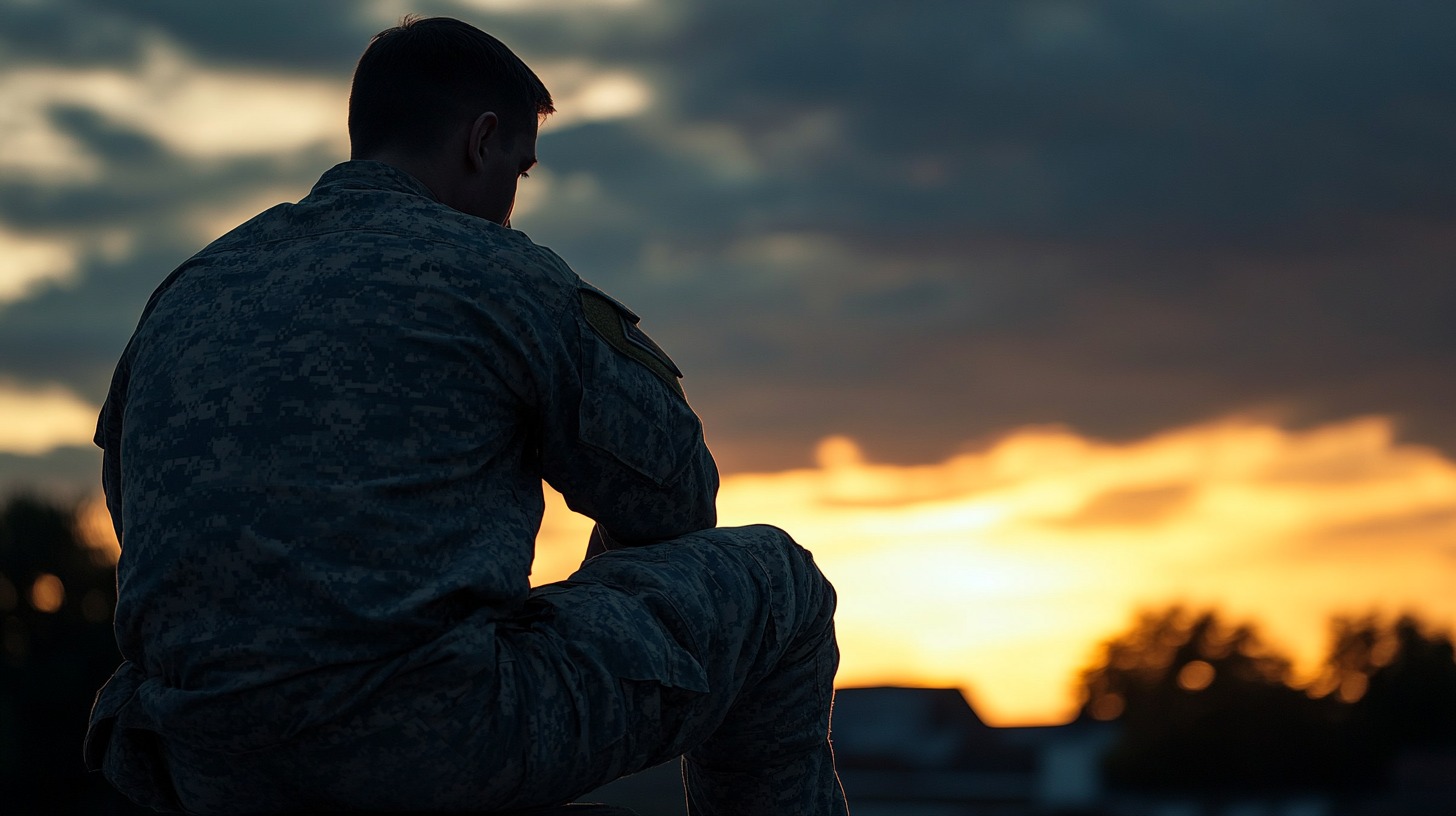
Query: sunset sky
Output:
(1021,315)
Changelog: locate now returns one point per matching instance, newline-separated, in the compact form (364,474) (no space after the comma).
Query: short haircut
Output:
(421,79)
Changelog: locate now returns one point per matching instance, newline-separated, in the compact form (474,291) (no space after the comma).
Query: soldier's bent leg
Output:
(772,754)
(719,644)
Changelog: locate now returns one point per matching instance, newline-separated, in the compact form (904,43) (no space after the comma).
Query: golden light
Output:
(47,594)
(93,525)
(1000,570)
(1196,675)
(1353,687)
(42,419)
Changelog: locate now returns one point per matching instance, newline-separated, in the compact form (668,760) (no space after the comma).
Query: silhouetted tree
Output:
(56,649)
(1206,706)
(1398,684)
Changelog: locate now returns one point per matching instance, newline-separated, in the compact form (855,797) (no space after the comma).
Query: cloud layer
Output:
(923,225)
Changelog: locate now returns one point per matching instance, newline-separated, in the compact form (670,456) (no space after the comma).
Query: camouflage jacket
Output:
(325,442)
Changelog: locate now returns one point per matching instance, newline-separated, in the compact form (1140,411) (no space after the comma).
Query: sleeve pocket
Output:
(628,413)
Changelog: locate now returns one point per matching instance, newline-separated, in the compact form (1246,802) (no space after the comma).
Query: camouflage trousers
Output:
(718,646)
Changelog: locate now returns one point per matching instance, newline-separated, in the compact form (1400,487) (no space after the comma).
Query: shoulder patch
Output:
(618,326)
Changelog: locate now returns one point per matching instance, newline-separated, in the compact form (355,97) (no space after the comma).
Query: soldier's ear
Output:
(482,130)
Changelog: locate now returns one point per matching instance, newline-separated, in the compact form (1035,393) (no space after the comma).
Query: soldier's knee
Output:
(802,556)
(812,591)
(797,590)
(776,545)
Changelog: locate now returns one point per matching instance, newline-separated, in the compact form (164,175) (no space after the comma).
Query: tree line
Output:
(56,650)
(1205,704)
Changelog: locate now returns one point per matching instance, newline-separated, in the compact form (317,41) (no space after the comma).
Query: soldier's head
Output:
(453,106)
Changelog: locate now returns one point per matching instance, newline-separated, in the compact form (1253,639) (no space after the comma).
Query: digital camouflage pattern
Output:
(323,450)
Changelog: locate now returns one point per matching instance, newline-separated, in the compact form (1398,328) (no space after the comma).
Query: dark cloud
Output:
(1122,118)
(318,35)
(65,33)
(921,224)
(114,143)
(73,335)
(1119,216)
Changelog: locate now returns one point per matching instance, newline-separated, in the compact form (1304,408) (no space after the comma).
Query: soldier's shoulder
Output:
(514,254)
(514,246)
(461,249)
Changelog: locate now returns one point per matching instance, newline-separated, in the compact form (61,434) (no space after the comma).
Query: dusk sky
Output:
(1022,315)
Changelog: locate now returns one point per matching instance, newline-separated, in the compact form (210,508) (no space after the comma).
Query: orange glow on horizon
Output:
(1001,571)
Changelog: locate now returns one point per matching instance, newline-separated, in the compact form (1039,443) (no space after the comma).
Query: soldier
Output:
(323,449)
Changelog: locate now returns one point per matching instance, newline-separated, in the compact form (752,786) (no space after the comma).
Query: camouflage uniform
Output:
(324,448)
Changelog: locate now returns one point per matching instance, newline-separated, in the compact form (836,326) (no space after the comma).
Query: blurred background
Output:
(1101,352)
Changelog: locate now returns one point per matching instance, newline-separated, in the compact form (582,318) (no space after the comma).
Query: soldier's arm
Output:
(619,440)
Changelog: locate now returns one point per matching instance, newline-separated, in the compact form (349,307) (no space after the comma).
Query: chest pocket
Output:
(632,405)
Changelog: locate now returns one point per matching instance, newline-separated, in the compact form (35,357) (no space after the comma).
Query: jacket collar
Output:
(371,175)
